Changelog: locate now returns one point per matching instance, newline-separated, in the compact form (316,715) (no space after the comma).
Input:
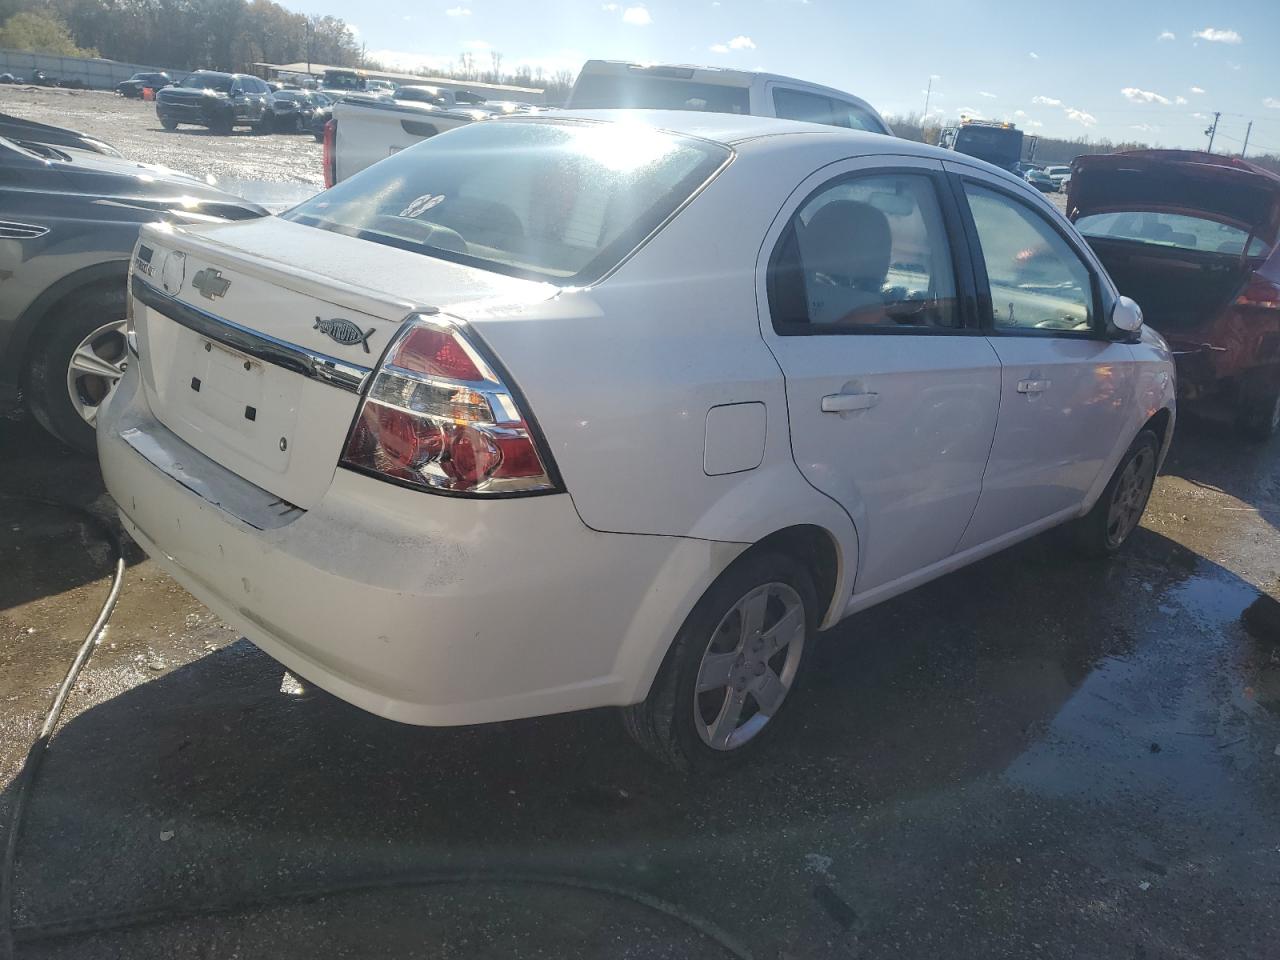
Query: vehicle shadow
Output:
(47,551)
(214,782)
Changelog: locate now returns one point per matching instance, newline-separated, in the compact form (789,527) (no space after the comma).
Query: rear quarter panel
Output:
(621,378)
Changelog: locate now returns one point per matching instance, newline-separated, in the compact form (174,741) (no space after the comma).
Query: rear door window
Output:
(791,104)
(865,254)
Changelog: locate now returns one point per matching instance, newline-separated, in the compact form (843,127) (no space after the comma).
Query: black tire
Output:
(666,723)
(1258,416)
(223,126)
(62,331)
(1098,533)
(169,123)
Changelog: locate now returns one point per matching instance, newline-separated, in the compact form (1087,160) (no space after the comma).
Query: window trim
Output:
(961,268)
(986,312)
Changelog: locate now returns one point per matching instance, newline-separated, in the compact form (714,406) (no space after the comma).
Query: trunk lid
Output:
(1177,181)
(258,363)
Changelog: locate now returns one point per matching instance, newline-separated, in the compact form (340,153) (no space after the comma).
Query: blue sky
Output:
(1120,69)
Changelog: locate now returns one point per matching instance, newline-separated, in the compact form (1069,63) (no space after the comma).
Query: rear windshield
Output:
(605,91)
(1171,230)
(561,201)
(209,81)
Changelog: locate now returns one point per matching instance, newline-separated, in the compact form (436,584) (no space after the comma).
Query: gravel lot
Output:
(1036,756)
(234,162)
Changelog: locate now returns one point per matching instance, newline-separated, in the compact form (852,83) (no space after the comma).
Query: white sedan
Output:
(545,413)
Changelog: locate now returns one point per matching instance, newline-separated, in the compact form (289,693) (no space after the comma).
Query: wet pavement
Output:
(1036,756)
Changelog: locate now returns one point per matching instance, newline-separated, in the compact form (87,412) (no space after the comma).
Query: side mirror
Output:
(1126,317)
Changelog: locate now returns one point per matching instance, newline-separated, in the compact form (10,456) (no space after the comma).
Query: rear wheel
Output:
(1105,528)
(78,363)
(732,668)
(222,125)
(168,123)
(1259,415)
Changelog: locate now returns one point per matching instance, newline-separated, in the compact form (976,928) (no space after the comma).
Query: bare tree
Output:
(495,58)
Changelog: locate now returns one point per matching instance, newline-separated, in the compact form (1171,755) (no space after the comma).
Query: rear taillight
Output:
(327,157)
(1260,293)
(437,416)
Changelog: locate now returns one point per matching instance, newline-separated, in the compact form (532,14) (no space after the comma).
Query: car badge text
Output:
(344,332)
(211,283)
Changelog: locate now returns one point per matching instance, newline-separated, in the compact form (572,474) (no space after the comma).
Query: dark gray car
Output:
(69,220)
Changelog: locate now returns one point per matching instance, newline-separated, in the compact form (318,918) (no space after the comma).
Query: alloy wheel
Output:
(749,666)
(95,368)
(1130,496)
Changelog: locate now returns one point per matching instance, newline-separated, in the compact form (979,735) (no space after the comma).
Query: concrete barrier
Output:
(95,73)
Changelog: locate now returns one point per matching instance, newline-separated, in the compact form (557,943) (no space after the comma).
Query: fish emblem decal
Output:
(344,332)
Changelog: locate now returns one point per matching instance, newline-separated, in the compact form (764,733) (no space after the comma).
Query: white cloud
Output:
(480,45)
(984,93)
(737,43)
(1197,90)
(1034,56)
(1272,102)
(1200,116)
(457,12)
(1047,101)
(637,16)
(1019,113)
(1144,128)
(1084,119)
(609,7)
(1214,35)
(1181,101)
(1166,35)
(971,112)
(1034,123)
(1231,64)
(1136,95)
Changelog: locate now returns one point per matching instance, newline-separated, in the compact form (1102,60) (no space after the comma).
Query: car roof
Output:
(729,129)
(744,130)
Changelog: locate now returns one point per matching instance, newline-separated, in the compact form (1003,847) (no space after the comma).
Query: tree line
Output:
(182,34)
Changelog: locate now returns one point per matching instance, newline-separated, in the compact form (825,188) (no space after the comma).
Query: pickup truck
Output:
(362,133)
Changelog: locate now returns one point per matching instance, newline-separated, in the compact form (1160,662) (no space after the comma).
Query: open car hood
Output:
(1177,181)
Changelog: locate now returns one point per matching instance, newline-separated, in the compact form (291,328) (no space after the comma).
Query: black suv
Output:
(218,101)
(132,88)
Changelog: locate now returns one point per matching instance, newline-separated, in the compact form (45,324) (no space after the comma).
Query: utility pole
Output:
(308,48)
(1212,131)
(1247,130)
(928,92)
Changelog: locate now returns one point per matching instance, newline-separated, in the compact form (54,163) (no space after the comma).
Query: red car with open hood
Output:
(1193,238)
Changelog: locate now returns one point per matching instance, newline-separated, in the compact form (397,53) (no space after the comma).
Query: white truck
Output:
(362,133)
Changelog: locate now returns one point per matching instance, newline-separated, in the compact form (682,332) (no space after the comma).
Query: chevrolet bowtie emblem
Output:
(211,283)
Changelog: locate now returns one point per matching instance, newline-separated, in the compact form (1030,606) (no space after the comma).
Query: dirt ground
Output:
(1037,756)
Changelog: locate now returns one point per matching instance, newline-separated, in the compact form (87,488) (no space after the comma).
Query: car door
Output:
(1065,385)
(892,390)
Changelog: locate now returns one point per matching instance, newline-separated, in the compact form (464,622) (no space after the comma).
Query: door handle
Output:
(1033,386)
(844,402)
